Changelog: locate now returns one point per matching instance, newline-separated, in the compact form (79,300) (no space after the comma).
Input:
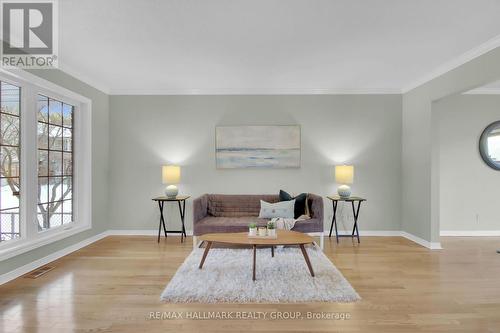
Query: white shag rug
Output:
(226,277)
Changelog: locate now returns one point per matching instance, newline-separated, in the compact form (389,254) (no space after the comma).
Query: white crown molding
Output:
(255,91)
(4,278)
(84,78)
(454,63)
(483,91)
(26,76)
(470,233)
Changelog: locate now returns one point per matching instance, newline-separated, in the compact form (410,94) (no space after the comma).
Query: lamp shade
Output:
(344,174)
(171,174)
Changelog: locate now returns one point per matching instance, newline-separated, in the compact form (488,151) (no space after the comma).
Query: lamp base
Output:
(171,191)
(344,191)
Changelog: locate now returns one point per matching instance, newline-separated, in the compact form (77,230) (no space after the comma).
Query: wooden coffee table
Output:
(285,237)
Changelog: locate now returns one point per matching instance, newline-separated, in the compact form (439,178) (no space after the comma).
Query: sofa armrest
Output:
(200,208)
(316,204)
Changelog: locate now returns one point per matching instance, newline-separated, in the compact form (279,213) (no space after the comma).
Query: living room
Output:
(250,165)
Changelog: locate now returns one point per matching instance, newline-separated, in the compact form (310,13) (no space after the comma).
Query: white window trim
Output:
(32,85)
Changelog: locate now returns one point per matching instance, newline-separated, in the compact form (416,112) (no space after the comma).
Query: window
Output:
(10,137)
(45,163)
(55,163)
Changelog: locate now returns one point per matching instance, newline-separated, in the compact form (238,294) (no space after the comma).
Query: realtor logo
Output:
(29,34)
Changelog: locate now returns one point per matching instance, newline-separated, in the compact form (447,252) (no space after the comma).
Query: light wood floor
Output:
(114,284)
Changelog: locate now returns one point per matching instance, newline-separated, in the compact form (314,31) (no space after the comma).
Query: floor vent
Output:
(38,272)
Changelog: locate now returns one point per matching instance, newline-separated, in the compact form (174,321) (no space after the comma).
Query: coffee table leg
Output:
(272,251)
(306,257)
(254,255)
(209,244)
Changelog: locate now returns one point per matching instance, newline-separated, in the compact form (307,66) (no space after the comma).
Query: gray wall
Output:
(149,131)
(400,178)
(467,184)
(100,150)
(420,164)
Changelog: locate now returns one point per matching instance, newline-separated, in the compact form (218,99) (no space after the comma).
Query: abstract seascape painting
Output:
(257,147)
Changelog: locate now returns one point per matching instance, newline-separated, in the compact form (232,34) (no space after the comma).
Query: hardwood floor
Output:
(114,284)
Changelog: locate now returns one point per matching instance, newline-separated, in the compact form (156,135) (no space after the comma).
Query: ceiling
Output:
(270,46)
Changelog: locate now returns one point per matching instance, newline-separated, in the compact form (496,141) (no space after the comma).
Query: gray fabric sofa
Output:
(214,213)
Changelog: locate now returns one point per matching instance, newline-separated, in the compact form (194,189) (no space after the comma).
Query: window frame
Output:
(21,231)
(62,152)
(30,239)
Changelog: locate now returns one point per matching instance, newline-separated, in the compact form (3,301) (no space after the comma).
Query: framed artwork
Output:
(257,147)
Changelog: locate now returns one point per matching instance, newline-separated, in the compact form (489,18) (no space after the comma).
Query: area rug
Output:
(226,277)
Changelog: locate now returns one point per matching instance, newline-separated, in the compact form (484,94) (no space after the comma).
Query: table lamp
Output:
(344,174)
(171,175)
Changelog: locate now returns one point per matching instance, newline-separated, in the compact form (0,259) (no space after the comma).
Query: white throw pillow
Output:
(284,209)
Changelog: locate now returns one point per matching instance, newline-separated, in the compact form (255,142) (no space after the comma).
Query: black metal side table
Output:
(182,210)
(355,211)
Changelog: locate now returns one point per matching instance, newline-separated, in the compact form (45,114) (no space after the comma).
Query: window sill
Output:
(45,238)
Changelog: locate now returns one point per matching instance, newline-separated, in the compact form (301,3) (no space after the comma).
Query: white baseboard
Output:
(4,278)
(154,232)
(142,232)
(393,233)
(376,233)
(470,233)
(423,242)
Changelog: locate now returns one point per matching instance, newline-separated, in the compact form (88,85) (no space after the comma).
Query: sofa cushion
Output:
(212,224)
(226,205)
(300,203)
(284,209)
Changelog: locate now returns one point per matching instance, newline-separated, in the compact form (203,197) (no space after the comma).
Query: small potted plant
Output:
(271,229)
(262,231)
(252,229)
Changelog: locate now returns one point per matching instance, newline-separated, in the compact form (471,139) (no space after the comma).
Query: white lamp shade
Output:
(344,174)
(171,174)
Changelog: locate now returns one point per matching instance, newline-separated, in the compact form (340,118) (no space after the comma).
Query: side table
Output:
(355,211)
(182,210)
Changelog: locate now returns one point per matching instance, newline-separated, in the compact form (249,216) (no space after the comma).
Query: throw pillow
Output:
(300,203)
(282,209)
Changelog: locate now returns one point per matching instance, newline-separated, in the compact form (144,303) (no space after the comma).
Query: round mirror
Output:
(489,145)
